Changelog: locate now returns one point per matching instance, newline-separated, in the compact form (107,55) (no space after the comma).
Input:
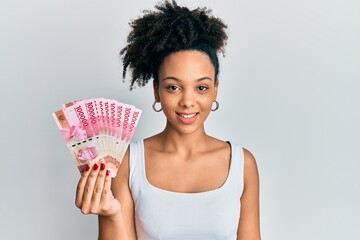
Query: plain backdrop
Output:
(289,92)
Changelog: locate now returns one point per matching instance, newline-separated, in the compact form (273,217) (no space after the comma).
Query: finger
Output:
(89,188)
(99,186)
(106,193)
(81,185)
(110,204)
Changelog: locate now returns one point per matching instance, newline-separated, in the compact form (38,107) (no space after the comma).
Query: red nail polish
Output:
(96,167)
(102,166)
(87,168)
(107,172)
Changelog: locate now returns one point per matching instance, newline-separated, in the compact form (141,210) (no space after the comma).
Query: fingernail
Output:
(107,172)
(96,166)
(102,166)
(87,168)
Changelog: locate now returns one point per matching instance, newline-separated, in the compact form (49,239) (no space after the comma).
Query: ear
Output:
(156,91)
(216,88)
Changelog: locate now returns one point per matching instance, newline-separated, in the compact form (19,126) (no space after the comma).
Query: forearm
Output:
(112,228)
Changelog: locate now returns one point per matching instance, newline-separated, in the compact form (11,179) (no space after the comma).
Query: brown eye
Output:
(202,88)
(172,88)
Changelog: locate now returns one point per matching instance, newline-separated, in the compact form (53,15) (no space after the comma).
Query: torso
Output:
(193,197)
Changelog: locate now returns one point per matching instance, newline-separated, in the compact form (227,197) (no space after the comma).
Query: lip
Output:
(187,118)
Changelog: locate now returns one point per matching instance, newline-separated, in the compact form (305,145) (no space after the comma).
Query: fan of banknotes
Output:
(97,130)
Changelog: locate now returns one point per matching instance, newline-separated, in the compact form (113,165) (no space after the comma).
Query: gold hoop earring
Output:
(154,108)
(216,106)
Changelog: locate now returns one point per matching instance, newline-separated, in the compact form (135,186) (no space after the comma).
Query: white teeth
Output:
(188,116)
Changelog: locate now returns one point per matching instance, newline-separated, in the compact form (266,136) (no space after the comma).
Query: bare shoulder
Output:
(250,165)
(120,182)
(251,173)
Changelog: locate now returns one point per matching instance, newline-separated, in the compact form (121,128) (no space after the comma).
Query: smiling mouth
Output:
(187,116)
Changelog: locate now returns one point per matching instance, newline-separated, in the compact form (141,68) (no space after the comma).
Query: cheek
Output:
(167,103)
(206,102)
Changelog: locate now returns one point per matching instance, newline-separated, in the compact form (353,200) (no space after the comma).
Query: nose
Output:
(187,99)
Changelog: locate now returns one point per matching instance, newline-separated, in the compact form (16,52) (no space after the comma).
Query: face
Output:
(186,90)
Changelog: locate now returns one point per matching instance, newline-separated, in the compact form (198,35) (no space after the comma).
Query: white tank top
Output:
(163,214)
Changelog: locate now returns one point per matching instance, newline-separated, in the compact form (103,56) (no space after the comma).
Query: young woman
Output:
(180,183)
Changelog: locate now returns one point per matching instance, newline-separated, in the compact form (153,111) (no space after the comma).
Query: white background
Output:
(289,92)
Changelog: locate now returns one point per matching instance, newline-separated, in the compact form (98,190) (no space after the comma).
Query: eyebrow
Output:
(178,80)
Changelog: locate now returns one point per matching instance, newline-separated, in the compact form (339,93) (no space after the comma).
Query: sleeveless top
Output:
(163,214)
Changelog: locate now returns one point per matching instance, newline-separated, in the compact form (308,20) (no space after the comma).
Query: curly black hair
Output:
(172,28)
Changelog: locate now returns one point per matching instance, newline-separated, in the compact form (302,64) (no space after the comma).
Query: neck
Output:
(173,140)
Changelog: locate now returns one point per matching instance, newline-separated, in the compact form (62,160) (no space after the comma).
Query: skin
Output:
(186,86)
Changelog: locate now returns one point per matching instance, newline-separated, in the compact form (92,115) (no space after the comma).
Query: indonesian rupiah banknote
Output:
(97,130)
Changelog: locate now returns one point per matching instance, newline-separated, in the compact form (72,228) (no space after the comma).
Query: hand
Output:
(93,193)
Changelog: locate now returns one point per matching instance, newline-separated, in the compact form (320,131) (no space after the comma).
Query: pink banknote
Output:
(97,130)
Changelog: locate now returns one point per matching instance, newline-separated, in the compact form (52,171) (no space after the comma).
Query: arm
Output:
(249,224)
(122,225)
